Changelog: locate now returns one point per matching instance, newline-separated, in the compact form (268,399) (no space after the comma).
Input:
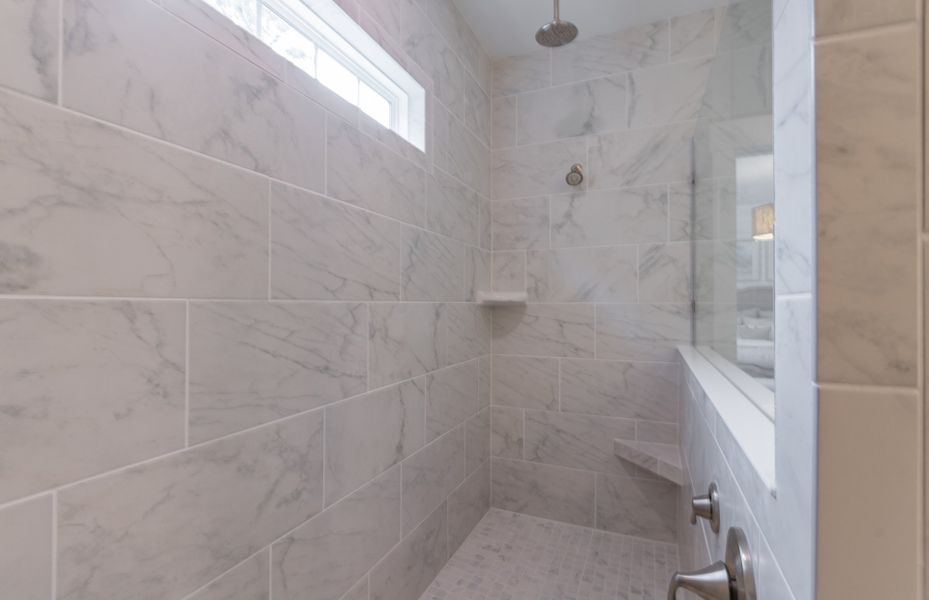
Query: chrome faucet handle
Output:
(732,579)
(706,507)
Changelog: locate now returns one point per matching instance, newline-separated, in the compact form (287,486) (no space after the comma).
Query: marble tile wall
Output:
(592,356)
(241,356)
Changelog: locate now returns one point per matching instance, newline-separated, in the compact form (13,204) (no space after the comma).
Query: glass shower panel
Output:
(733,205)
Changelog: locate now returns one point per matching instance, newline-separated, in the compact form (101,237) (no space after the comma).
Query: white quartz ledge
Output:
(502,298)
(752,429)
(663,460)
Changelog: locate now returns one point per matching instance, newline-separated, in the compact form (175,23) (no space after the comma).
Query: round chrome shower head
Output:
(557,33)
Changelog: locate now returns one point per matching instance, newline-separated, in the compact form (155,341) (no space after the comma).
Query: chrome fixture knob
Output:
(732,579)
(706,507)
(575,175)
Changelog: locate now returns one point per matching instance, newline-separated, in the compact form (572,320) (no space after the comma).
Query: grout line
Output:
(54,545)
(270,201)
(61,51)
(187,374)
(270,573)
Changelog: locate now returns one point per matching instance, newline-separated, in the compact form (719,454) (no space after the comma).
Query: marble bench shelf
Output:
(502,298)
(663,460)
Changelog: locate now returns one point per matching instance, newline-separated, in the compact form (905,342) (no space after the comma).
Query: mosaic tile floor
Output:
(511,556)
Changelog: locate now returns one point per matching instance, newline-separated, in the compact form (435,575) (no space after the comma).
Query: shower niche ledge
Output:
(663,460)
(502,298)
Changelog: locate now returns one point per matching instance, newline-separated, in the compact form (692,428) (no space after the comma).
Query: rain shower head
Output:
(558,32)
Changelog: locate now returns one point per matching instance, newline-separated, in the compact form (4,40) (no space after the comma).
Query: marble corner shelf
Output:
(663,460)
(502,298)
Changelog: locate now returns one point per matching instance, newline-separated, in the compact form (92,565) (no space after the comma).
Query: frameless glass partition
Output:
(733,205)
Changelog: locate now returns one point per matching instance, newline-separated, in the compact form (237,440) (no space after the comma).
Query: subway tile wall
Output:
(239,352)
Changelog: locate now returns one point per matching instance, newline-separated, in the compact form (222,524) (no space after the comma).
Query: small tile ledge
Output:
(502,298)
(663,460)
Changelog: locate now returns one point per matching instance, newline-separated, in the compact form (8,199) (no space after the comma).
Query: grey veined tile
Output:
(646,509)
(611,54)
(668,93)
(536,170)
(506,438)
(544,491)
(620,389)
(583,274)
(694,35)
(29,61)
(192,92)
(325,556)
(26,552)
(665,272)
(369,434)
(406,340)
(469,331)
(572,110)
(642,331)
(577,441)
(520,223)
(641,157)
(247,581)
(255,362)
(608,217)
(164,528)
(151,220)
(516,74)
(406,572)
(526,382)
(467,505)
(452,208)
(323,250)
(88,387)
(545,329)
(430,475)
(452,397)
(433,267)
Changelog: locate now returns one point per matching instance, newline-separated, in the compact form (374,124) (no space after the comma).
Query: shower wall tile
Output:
(324,250)
(467,505)
(693,35)
(433,267)
(57,423)
(610,54)
(583,274)
(430,475)
(657,432)
(477,440)
(406,340)
(544,491)
(838,16)
(603,218)
(507,433)
(745,24)
(26,553)
(451,398)
(194,515)
(29,61)
(704,194)
(367,435)
(452,209)
(324,557)
(545,329)
(251,363)
(359,591)
(668,94)
(477,275)
(664,273)
(182,224)
(460,153)
(646,509)
(642,331)
(504,122)
(577,441)
(536,170)
(641,157)
(410,567)
(573,110)
(477,110)
(620,389)
(509,271)
(521,223)
(526,382)
(247,581)
(362,172)
(463,41)
(515,74)
(192,92)
(469,332)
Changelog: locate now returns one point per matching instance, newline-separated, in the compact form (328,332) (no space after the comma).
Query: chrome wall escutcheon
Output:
(575,175)
(706,507)
(732,579)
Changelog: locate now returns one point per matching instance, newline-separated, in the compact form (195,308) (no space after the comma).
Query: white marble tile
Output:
(477,440)
(604,274)
(452,208)
(389,138)
(509,271)
(693,35)
(29,56)
(744,24)
(645,509)
(664,272)
(668,93)
(26,553)
(477,276)
(838,16)
(406,340)
(367,435)
(681,196)
(406,572)
(640,157)
(323,250)
(611,54)
(56,417)
(521,223)
(467,505)
(251,363)
(506,437)
(515,74)
(538,169)
(629,216)
(433,267)
(430,475)
(324,557)
(359,591)
(191,515)
(455,29)
(574,110)
(485,380)
(658,432)
(867,296)
(504,121)
(525,382)
(620,389)
(365,173)
(460,152)
(150,220)
(544,491)
(577,441)
(451,398)
(545,329)
(642,331)
(469,332)
(486,224)
(193,92)
(478,117)
(246,581)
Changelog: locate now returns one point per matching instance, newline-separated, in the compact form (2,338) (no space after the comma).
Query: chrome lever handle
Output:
(732,579)
(706,507)
(711,583)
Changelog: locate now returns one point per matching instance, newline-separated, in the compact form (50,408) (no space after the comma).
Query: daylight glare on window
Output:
(319,39)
